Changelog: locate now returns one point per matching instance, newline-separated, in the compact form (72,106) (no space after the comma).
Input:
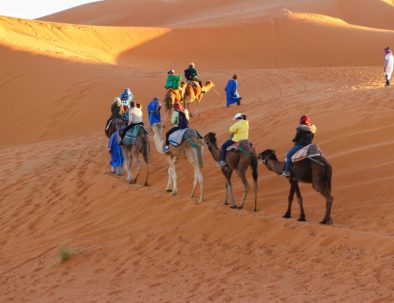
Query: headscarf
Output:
(305,120)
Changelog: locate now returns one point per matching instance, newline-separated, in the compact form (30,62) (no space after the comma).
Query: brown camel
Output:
(191,149)
(112,125)
(174,95)
(131,152)
(238,161)
(194,92)
(314,170)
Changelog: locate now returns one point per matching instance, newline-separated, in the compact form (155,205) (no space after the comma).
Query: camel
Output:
(111,128)
(191,149)
(193,93)
(316,171)
(131,152)
(171,96)
(238,161)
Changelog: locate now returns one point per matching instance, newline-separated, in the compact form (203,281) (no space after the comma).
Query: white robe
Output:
(389,65)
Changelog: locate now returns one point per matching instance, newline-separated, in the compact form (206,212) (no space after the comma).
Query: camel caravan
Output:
(129,144)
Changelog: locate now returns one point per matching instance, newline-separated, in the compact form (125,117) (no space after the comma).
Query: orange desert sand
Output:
(59,75)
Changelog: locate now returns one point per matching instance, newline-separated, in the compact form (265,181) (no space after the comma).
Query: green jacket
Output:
(173,81)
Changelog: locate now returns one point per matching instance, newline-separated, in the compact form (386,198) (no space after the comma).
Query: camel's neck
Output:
(215,152)
(275,165)
(157,139)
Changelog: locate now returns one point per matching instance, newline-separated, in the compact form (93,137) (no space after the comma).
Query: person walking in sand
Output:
(116,154)
(232,91)
(388,65)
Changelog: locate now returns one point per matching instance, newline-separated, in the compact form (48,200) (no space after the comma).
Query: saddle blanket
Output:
(132,134)
(309,151)
(240,145)
(177,136)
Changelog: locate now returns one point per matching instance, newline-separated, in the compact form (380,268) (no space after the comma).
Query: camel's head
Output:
(267,154)
(209,84)
(210,138)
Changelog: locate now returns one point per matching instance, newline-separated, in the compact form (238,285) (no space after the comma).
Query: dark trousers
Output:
(224,146)
(124,131)
(170,132)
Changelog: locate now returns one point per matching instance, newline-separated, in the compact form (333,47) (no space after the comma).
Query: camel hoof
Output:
(287,216)
(131,181)
(327,222)
(240,207)
(225,203)
(254,209)
(168,190)
(233,206)
(146,184)
(301,219)
(174,193)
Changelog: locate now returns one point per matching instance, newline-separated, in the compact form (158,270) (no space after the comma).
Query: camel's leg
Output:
(227,191)
(138,165)
(128,165)
(201,183)
(169,182)
(194,183)
(174,178)
(290,202)
(255,196)
(228,184)
(147,173)
(242,175)
(227,173)
(300,201)
(327,218)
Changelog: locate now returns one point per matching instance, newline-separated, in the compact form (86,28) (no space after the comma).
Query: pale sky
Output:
(32,9)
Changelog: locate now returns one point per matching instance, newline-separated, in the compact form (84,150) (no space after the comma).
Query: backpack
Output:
(183,123)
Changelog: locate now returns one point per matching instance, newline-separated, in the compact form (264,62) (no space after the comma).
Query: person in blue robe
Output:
(232,91)
(116,154)
(154,111)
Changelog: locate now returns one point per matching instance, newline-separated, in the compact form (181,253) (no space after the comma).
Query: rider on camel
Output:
(173,82)
(135,118)
(191,74)
(180,120)
(239,131)
(304,136)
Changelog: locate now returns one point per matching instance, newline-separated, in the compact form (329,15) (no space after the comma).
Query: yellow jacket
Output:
(240,129)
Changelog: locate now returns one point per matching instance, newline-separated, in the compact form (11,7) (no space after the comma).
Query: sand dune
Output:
(140,244)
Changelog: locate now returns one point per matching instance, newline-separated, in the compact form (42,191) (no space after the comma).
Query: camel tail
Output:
(145,149)
(325,178)
(253,165)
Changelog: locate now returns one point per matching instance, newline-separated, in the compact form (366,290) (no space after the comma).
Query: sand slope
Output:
(140,244)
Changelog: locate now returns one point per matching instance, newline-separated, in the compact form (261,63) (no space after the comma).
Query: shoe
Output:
(166,149)
(285,173)
(222,163)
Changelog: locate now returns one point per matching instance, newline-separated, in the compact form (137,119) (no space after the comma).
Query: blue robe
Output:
(116,151)
(154,112)
(232,92)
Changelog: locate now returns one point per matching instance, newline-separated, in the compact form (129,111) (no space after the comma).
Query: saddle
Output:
(309,151)
(240,146)
(178,136)
(195,84)
(131,134)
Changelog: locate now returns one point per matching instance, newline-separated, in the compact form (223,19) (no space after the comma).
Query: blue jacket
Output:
(232,91)
(154,111)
